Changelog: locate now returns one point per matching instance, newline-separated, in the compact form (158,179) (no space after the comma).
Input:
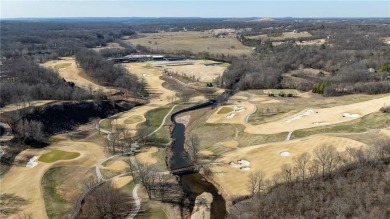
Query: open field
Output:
(284,36)
(109,46)
(267,158)
(55,155)
(192,41)
(67,69)
(200,70)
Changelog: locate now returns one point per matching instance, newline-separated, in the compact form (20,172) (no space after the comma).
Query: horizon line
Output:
(108,17)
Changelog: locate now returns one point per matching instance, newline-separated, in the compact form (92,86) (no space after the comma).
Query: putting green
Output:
(55,155)
(134,119)
(225,110)
(62,65)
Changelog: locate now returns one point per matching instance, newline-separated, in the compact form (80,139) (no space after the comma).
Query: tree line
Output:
(44,40)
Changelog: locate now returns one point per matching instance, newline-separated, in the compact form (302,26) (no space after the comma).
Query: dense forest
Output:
(23,80)
(104,72)
(44,40)
(353,184)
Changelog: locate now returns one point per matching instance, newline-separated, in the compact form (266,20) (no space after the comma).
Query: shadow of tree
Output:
(10,204)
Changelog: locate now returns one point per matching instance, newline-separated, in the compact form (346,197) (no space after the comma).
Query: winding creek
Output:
(192,182)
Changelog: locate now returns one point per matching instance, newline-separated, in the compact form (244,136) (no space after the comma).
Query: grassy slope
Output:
(61,186)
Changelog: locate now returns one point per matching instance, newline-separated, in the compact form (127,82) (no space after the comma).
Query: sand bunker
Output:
(349,115)
(121,181)
(238,109)
(296,117)
(146,157)
(284,153)
(230,115)
(240,163)
(32,162)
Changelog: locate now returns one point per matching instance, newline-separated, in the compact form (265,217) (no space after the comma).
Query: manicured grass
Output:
(155,117)
(371,121)
(62,65)
(56,155)
(225,110)
(106,124)
(133,119)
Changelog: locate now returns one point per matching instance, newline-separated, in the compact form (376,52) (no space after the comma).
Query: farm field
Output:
(192,41)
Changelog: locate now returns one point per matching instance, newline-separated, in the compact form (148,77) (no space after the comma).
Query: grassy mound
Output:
(134,119)
(225,110)
(56,155)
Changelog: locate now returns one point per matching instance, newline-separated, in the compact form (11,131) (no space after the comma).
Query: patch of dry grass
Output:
(193,41)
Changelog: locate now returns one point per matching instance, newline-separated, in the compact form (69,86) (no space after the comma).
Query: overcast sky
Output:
(187,8)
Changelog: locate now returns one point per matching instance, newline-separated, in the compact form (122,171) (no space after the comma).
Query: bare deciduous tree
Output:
(193,147)
(301,163)
(106,202)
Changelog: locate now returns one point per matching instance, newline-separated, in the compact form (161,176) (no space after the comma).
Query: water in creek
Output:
(192,182)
